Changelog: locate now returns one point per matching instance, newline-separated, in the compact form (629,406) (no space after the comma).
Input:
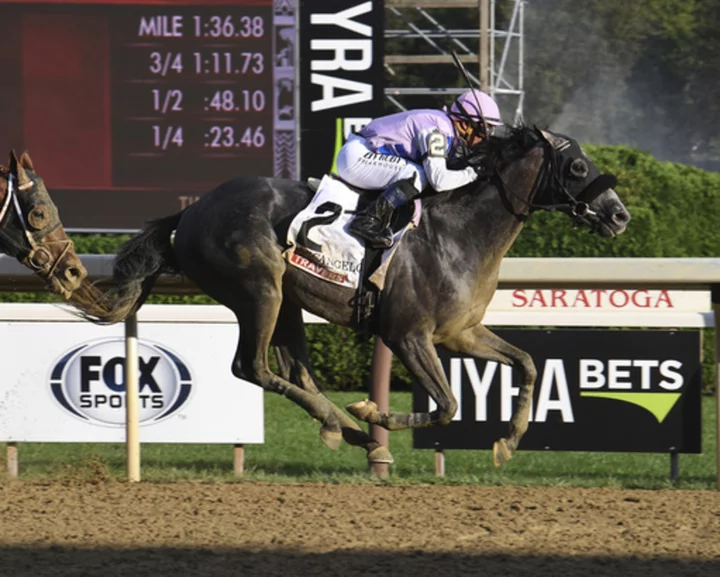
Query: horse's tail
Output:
(139,262)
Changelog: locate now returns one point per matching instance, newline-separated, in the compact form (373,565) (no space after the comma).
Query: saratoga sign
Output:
(595,298)
(598,299)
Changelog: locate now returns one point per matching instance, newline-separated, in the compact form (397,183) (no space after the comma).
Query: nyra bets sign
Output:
(596,390)
(65,382)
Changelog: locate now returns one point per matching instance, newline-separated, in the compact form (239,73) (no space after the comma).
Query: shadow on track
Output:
(187,562)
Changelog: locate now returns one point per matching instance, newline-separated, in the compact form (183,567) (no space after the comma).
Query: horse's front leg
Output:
(417,353)
(480,342)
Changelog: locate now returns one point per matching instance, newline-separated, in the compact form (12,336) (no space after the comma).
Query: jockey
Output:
(402,153)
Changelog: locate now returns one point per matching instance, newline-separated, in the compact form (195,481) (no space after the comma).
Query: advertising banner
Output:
(601,300)
(341,76)
(600,307)
(596,390)
(64,382)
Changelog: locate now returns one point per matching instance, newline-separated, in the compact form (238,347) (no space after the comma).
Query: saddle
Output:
(402,216)
(319,243)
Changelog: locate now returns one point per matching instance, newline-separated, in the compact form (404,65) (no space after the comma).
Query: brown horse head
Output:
(30,228)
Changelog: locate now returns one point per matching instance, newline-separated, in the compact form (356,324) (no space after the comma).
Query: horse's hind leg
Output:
(254,294)
(292,357)
(244,272)
(257,323)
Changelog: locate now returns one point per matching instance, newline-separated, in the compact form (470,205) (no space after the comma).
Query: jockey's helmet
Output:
(474,114)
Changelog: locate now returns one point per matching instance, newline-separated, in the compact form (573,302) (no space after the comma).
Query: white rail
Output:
(576,273)
(682,273)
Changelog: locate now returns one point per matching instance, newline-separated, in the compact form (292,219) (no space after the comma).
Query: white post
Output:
(439,462)
(132,400)
(239,460)
(12,460)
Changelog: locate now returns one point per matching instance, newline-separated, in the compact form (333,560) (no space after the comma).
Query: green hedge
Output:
(674,210)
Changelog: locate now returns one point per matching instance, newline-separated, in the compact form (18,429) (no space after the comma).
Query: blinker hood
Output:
(566,150)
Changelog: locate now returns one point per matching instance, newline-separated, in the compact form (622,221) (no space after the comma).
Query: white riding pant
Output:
(358,165)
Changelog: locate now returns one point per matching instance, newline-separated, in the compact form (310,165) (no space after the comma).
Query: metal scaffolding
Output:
(496,54)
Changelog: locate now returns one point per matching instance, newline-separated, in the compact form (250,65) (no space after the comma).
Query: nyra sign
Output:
(596,390)
(89,382)
(340,74)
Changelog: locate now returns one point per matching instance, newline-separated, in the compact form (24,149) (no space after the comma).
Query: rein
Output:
(8,197)
(10,202)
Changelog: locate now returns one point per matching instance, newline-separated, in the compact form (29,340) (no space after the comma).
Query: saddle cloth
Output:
(319,242)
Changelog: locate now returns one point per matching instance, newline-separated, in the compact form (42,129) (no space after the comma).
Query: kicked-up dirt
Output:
(240,529)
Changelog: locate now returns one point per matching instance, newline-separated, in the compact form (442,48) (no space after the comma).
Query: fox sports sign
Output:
(89,382)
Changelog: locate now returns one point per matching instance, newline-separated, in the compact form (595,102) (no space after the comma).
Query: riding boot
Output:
(373,223)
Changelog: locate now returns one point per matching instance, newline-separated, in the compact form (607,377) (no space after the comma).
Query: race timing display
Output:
(131,109)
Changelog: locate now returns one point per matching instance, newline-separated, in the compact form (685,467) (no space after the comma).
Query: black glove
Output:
(457,160)
(480,162)
(482,165)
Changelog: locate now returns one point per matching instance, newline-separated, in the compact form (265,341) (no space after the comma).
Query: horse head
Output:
(573,184)
(553,174)
(30,228)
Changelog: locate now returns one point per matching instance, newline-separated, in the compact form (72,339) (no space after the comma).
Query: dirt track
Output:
(256,529)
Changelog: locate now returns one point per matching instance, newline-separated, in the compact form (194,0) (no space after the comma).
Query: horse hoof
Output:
(331,438)
(362,409)
(501,452)
(380,455)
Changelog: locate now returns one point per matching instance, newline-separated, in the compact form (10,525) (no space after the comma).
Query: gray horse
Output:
(444,274)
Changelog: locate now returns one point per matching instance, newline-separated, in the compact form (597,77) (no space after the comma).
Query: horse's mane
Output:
(506,149)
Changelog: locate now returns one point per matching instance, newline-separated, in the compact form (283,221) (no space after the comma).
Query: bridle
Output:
(39,257)
(551,175)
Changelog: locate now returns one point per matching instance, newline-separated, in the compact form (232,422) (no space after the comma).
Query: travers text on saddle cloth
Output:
(319,242)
